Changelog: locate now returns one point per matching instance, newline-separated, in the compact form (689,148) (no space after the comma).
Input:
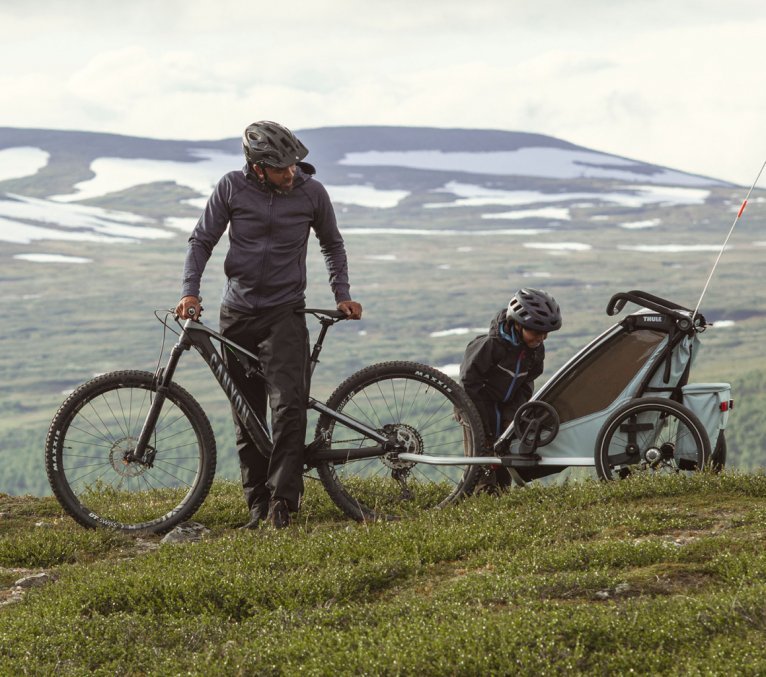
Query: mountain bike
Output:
(134,451)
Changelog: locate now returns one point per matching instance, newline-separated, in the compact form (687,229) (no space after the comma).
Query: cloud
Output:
(669,83)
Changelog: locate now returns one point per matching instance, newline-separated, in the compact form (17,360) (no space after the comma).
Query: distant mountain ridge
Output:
(328,147)
(153,187)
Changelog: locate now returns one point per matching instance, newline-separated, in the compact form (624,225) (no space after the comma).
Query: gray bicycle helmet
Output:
(534,309)
(269,144)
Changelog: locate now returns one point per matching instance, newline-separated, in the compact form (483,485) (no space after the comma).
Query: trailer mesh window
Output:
(594,383)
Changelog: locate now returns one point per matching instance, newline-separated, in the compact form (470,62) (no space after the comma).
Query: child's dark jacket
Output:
(498,373)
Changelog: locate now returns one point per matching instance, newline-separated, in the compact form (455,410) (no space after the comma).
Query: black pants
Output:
(496,417)
(280,339)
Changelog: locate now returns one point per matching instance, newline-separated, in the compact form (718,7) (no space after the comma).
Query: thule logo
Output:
(653,318)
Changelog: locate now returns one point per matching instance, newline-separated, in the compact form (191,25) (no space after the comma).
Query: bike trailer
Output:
(649,355)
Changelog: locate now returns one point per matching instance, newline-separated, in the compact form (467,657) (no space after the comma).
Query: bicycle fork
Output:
(144,452)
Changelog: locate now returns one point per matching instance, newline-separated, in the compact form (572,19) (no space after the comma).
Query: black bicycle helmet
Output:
(534,309)
(269,144)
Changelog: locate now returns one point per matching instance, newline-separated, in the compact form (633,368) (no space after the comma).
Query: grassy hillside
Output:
(656,576)
(66,322)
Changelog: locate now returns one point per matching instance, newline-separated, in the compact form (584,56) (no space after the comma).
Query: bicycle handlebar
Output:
(650,301)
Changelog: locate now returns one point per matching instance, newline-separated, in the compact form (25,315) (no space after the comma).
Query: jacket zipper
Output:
(266,250)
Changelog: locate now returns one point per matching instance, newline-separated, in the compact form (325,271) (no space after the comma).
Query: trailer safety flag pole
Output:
(726,241)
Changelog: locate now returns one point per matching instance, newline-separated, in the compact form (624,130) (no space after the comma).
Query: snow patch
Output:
(638,225)
(24,233)
(22,161)
(115,174)
(470,195)
(555,213)
(456,331)
(366,196)
(52,258)
(671,248)
(552,163)
(446,232)
(180,223)
(452,370)
(559,246)
(92,224)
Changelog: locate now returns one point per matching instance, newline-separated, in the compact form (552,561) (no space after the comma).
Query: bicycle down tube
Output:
(197,335)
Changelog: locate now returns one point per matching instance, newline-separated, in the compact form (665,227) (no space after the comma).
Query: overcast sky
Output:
(674,82)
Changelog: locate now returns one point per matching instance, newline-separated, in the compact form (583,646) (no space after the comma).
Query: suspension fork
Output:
(144,453)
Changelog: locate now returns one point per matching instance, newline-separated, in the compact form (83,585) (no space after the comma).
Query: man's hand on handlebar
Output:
(352,309)
(186,304)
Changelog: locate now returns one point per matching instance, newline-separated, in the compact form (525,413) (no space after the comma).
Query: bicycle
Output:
(134,451)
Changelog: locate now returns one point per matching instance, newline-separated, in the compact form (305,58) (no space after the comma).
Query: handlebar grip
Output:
(616,304)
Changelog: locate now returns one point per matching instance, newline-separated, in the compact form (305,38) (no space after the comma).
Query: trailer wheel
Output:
(654,435)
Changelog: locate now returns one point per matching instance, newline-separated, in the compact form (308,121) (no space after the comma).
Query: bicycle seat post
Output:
(326,323)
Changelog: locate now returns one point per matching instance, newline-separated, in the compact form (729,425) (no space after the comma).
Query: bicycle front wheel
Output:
(651,435)
(88,455)
(428,413)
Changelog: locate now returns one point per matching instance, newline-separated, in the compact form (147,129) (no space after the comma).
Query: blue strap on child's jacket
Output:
(513,339)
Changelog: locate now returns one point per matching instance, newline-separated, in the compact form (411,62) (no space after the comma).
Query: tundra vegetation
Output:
(655,575)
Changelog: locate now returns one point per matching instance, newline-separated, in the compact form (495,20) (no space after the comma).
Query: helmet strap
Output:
(263,178)
(514,331)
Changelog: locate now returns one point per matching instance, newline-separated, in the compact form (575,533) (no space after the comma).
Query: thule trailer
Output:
(621,404)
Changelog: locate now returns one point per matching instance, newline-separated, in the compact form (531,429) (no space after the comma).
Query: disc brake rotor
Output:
(118,454)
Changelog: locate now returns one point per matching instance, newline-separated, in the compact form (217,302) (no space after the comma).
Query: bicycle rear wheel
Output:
(428,412)
(88,447)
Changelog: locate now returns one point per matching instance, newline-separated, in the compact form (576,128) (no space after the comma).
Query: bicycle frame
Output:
(197,335)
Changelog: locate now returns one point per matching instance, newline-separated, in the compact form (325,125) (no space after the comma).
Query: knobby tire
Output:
(651,425)
(93,477)
(423,407)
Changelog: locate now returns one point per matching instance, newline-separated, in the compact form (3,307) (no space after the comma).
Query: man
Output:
(499,368)
(270,207)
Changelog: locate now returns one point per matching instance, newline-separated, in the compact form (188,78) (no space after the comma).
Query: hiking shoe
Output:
(487,488)
(488,483)
(257,515)
(279,515)
(254,523)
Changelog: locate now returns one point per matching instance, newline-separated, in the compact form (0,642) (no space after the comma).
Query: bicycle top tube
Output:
(326,318)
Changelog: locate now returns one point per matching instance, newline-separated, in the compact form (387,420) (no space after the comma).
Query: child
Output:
(499,368)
